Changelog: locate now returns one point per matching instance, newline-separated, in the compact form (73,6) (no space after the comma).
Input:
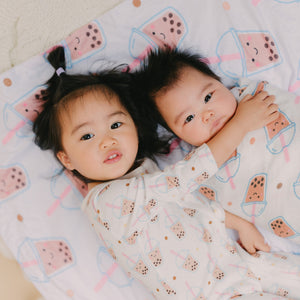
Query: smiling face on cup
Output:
(196,106)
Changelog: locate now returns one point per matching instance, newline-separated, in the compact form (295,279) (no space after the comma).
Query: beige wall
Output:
(13,285)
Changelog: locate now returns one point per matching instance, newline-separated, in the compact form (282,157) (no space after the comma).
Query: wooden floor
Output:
(13,285)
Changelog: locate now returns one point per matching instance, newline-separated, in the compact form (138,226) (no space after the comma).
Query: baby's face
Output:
(99,137)
(196,107)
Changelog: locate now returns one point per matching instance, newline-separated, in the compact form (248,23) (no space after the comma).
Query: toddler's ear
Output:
(65,160)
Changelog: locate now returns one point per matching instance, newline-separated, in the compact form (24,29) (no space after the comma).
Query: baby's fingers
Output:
(262,246)
(273,115)
(246,98)
(250,248)
(269,100)
(262,96)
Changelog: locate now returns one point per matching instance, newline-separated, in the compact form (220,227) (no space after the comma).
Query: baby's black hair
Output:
(160,71)
(63,87)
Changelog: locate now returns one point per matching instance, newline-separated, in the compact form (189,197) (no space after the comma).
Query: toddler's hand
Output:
(256,111)
(251,239)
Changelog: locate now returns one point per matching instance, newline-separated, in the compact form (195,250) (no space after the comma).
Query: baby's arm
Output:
(252,113)
(250,238)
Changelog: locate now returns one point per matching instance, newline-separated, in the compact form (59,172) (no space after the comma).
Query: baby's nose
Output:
(206,116)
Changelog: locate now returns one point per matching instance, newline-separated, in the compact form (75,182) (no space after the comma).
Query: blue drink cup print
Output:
(280,133)
(229,169)
(84,43)
(49,257)
(245,53)
(13,181)
(167,28)
(254,201)
(19,115)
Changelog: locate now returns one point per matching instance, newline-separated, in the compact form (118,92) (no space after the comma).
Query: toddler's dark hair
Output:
(160,71)
(63,88)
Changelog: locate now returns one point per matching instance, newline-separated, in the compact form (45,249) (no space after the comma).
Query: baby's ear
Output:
(65,160)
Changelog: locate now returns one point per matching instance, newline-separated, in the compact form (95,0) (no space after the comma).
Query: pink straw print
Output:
(57,202)
(190,289)
(104,279)
(285,150)
(227,170)
(12,132)
(294,86)
(138,60)
(217,59)
(30,263)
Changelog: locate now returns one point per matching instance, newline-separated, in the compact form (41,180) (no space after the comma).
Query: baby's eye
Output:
(207,97)
(87,136)
(115,125)
(189,118)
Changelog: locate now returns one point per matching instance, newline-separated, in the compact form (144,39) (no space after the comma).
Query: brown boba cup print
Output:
(207,192)
(164,184)
(280,133)
(245,53)
(13,181)
(185,260)
(84,43)
(49,257)
(131,240)
(174,225)
(167,28)
(282,228)
(168,289)
(19,115)
(137,264)
(152,249)
(254,201)
(150,205)
(122,206)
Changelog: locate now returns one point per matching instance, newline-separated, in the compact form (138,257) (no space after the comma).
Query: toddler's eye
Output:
(115,125)
(87,136)
(189,118)
(207,97)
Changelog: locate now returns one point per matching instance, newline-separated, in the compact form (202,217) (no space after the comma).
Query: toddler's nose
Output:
(107,142)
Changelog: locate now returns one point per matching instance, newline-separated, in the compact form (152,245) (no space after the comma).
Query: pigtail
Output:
(55,84)
(45,124)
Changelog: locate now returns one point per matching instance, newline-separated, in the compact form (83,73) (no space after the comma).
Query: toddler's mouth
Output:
(113,157)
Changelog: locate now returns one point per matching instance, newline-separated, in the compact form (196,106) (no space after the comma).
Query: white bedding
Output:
(40,212)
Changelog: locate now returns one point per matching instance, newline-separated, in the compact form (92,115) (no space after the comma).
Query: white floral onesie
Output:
(162,231)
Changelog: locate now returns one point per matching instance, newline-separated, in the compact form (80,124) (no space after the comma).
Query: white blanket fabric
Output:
(40,212)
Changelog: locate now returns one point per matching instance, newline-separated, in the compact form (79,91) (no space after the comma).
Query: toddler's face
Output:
(196,107)
(99,137)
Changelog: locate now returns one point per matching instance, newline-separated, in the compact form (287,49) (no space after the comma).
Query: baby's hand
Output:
(256,111)
(251,239)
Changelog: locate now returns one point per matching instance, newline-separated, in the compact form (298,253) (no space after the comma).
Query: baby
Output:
(260,180)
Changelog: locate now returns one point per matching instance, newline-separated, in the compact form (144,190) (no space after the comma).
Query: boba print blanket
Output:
(40,216)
